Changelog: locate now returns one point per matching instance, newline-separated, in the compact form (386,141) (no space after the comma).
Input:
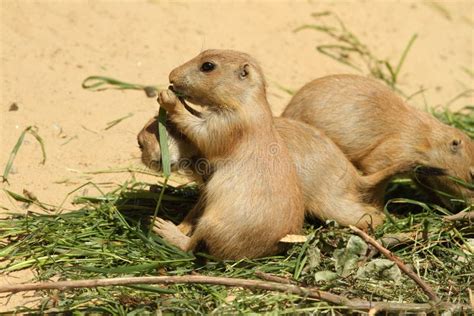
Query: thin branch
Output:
(461,216)
(273,278)
(234,282)
(323,295)
(393,240)
(387,253)
(359,304)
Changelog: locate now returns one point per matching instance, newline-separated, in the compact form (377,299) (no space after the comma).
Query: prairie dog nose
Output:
(173,76)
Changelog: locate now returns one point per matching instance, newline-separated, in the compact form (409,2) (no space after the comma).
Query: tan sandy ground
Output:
(48,48)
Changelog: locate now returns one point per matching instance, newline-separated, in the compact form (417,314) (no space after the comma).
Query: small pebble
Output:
(13,107)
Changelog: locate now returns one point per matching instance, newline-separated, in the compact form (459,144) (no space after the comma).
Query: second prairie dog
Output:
(332,187)
(253,198)
(376,129)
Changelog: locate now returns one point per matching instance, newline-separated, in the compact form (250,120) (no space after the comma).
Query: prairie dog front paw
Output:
(168,100)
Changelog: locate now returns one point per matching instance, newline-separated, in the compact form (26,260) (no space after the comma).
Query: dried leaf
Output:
(325,276)
(380,269)
(294,239)
(314,257)
(347,259)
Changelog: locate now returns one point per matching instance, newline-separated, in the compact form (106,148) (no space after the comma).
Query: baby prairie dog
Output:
(376,129)
(332,187)
(253,198)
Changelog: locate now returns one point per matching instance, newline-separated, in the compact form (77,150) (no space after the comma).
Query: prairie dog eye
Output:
(207,66)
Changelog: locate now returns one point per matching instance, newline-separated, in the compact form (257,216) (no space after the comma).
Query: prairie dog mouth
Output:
(178,93)
(182,97)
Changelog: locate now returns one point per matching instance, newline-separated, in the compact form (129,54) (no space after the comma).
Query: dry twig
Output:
(461,216)
(387,253)
(323,295)
(234,282)
(273,278)
(359,304)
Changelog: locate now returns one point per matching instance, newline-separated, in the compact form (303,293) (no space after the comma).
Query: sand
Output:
(48,48)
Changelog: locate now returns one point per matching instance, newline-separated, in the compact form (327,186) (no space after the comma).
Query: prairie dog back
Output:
(376,129)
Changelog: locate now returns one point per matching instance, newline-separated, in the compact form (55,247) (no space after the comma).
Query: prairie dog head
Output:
(181,151)
(454,151)
(219,79)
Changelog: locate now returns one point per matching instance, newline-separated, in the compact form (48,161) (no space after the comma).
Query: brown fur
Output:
(332,187)
(250,184)
(377,130)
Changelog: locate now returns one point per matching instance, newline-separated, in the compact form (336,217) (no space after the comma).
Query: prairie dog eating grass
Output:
(376,129)
(253,198)
(332,187)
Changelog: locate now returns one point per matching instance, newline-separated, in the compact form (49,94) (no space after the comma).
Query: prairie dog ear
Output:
(455,145)
(244,71)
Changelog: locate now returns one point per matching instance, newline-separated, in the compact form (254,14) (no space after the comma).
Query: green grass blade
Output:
(125,269)
(100,83)
(13,153)
(153,289)
(95,82)
(40,141)
(404,55)
(158,204)
(165,160)
(301,260)
(18,197)
(16,148)
(115,122)
(163,137)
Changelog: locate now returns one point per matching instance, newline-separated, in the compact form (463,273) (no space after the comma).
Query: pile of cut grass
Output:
(108,236)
